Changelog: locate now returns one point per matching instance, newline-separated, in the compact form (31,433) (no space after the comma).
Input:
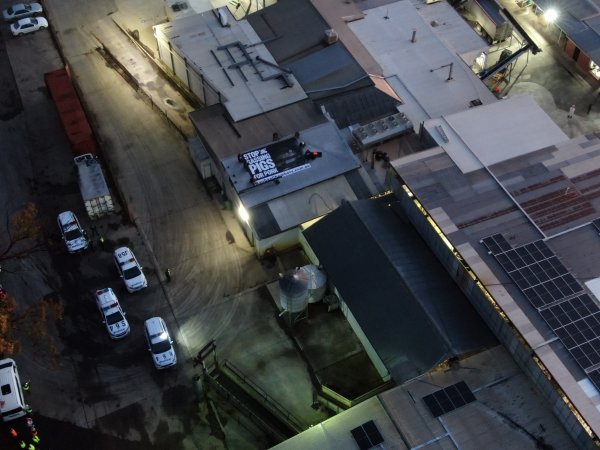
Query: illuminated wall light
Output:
(243,214)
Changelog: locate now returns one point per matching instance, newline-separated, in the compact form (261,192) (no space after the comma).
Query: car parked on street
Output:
(129,269)
(72,233)
(160,343)
(28,25)
(112,314)
(21,10)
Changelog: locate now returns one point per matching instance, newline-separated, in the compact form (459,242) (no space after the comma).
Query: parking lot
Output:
(81,379)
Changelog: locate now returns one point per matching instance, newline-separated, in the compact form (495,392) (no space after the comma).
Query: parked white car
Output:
(160,343)
(28,25)
(129,269)
(112,314)
(75,238)
(21,10)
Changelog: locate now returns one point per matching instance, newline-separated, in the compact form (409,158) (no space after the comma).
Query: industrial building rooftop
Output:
(421,61)
(492,203)
(232,58)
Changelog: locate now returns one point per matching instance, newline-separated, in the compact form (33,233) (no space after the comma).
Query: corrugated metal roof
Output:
(224,138)
(579,20)
(290,29)
(359,106)
(328,71)
(555,190)
(410,310)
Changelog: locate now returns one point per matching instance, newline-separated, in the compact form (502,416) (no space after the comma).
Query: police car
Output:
(160,343)
(75,238)
(112,314)
(129,269)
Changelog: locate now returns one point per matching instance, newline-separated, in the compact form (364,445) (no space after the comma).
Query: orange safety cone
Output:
(13,432)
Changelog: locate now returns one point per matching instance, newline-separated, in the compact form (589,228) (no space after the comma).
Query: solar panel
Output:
(367,435)
(448,399)
(539,274)
(594,377)
(558,297)
(496,244)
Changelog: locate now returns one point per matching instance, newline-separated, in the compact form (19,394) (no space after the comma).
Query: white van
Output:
(12,404)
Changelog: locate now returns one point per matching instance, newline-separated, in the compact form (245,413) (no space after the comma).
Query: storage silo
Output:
(293,291)
(317,282)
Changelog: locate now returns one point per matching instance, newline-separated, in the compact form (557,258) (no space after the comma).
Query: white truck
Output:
(94,190)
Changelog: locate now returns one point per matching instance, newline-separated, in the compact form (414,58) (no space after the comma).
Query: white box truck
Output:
(493,25)
(94,190)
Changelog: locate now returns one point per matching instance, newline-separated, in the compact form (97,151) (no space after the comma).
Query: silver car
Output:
(21,10)
(28,25)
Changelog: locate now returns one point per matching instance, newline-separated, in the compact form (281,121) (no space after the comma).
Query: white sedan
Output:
(28,25)
(21,10)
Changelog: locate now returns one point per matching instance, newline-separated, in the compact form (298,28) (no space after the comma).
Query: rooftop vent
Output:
(179,6)
(331,37)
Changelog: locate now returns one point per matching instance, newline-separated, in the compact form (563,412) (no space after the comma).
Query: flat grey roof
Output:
(404,421)
(418,71)
(409,309)
(452,29)
(336,159)
(551,192)
(483,136)
(213,51)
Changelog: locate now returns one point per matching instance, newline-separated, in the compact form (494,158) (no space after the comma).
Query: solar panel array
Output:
(596,223)
(448,399)
(559,298)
